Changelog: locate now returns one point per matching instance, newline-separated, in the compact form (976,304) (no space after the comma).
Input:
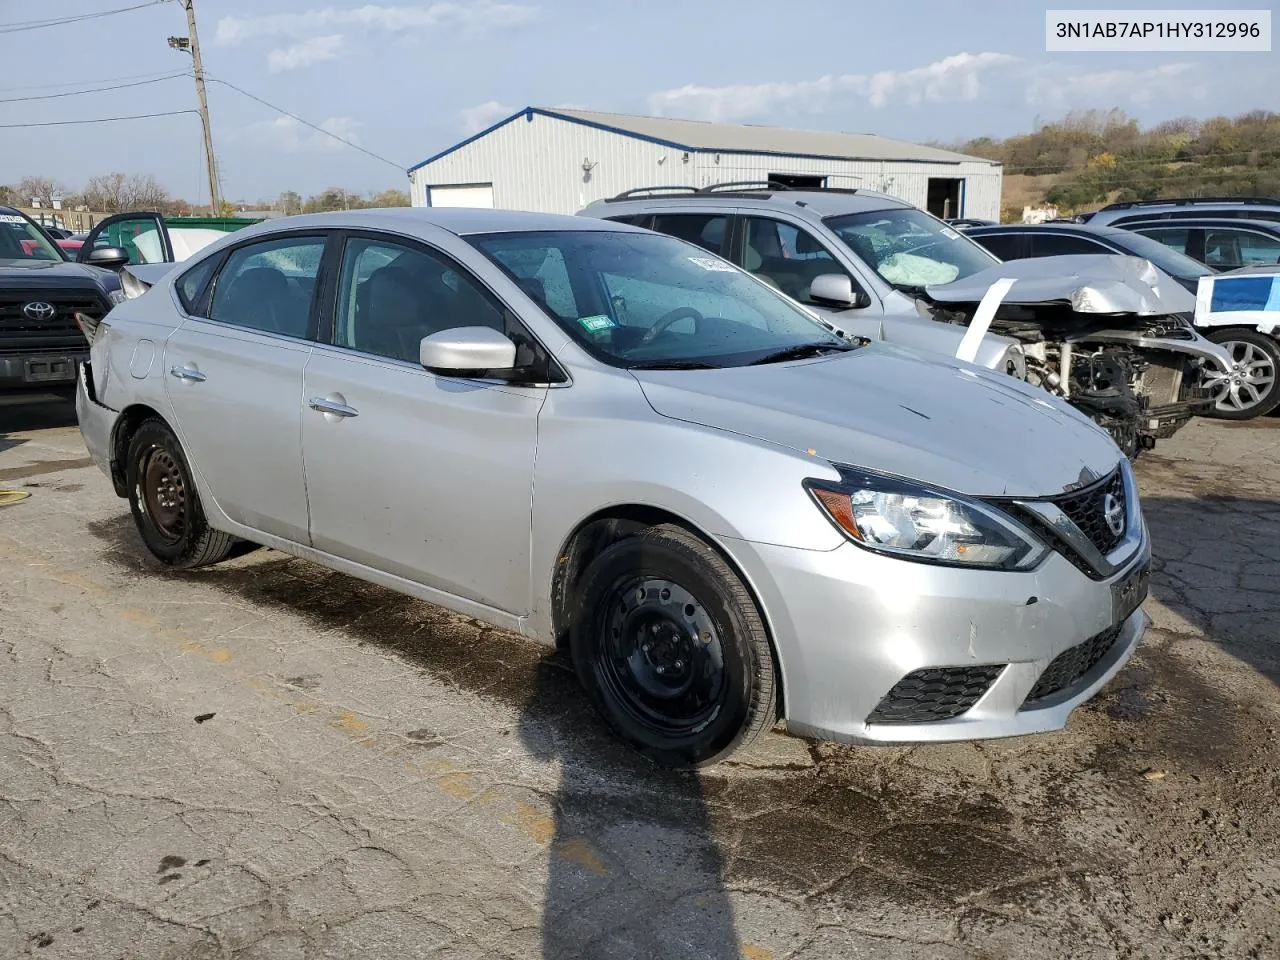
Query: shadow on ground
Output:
(18,415)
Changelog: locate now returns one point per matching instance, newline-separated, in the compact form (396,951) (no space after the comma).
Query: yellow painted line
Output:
(8,497)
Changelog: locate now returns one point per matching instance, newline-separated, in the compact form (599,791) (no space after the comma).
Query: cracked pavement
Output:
(265,759)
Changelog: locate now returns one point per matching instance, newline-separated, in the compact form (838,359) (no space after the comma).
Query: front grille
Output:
(1070,665)
(21,334)
(1085,508)
(938,693)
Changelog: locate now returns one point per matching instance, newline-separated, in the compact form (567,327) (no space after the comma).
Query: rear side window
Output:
(269,286)
(1053,245)
(706,230)
(190,285)
(1006,246)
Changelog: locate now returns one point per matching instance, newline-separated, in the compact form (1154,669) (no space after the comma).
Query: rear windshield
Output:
(909,248)
(20,239)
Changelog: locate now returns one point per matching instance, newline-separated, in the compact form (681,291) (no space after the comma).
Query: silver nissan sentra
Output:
(612,440)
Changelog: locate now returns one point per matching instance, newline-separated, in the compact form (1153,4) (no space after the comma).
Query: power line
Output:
(67,123)
(76,83)
(306,123)
(79,18)
(77,93)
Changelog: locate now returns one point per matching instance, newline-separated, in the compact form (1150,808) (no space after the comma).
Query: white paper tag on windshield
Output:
(948,232)
(10,218)
(708,263)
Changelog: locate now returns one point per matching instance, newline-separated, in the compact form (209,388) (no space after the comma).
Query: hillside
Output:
(1091,158)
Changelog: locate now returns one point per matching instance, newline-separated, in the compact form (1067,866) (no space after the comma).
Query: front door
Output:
(234,380)
(422,476)
(142,235)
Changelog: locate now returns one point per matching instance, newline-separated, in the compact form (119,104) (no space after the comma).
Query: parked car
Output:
(869,264)
(148,237)
(605,437)
(57,233)
(1240,310)
(1221,244)
(1025,240)
(964,223)
(40,293)
(1126,212)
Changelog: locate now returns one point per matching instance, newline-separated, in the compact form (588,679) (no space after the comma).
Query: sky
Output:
(406,80)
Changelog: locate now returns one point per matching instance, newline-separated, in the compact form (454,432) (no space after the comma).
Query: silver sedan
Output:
(610,439)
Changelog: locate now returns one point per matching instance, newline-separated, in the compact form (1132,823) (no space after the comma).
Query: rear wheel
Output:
(1252,388)
(671,649)
(166,507)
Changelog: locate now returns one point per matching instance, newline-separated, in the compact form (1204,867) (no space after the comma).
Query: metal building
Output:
(558,161)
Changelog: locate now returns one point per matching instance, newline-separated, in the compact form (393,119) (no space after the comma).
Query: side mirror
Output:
(837,289)
(467,351)
(110,258)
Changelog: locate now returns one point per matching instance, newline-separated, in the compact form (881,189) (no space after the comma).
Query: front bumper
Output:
(97,422)
(40,372)
(850,624)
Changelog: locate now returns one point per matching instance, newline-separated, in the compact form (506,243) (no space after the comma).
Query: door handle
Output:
(188,374)
(321,405)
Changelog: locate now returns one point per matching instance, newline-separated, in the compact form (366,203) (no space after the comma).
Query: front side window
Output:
(20,239)
(139,237)
(909,248)
(787,257)
(1222,249)
(645,300)
(269,286)
(1006,246)
(391,296)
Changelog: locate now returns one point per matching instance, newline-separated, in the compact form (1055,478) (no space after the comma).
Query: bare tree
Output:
(120,193)
(41,189)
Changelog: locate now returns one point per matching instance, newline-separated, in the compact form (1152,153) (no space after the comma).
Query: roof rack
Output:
(728,189)
(1173,201)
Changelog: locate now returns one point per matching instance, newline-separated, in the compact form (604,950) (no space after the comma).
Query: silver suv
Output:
(857,257)
(608,438)
(1133,211)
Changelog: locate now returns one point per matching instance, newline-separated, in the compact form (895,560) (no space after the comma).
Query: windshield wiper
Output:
(673,365)
(803,350)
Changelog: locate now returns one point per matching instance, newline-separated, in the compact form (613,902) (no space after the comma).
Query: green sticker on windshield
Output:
(596,324)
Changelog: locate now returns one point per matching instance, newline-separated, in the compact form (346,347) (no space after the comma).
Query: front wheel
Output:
(166,507)
(1252,388)
(672,650)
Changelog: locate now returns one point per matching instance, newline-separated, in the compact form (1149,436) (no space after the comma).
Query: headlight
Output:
(116,296)
(914,522)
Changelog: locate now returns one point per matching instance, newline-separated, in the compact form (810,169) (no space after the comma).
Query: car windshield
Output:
(1166,258)
(643,300)
(909,248)
(20,239)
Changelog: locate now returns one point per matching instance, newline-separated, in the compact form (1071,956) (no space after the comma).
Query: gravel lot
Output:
(266,759)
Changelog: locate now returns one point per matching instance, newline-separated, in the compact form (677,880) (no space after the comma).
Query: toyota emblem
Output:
(39,310)
(1113,513)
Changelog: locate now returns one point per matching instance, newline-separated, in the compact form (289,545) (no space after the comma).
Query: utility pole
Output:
(191,44)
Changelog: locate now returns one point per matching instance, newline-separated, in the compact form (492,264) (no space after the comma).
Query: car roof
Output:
(460,221)
(1085,228)
(1270,226)
(819,203)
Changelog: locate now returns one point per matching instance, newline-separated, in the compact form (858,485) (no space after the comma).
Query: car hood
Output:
(53,274)
(899,412)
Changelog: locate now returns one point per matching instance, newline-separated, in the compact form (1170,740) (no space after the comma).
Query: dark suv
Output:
(40,294)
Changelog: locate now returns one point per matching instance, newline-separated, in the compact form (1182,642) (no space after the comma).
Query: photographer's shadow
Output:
(634,870)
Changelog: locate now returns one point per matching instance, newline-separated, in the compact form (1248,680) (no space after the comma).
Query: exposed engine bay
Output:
(1110,335)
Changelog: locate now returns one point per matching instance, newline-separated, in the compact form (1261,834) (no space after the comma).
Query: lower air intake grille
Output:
(1072,664)
(938,693)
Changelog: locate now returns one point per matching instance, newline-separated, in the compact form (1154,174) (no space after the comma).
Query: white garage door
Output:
(461,195)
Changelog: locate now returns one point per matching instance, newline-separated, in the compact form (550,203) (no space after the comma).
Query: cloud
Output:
(305,53)
(371,19)
(1052,88)
(474,119)
(287,135)
(952,79)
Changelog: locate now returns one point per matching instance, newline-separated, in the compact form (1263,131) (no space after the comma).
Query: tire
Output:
(164,502)
(671,649)
(1261,354)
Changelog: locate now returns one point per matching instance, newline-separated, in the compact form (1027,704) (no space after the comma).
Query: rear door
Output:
(234,379)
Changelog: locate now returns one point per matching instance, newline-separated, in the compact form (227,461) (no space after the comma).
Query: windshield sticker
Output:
(716,266)
(596,324)
(948,232)
(10,218)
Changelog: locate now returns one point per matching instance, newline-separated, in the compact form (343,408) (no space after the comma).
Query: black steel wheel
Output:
(672,650)
(166,507)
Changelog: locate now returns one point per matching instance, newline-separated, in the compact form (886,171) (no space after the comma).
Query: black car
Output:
(1021,241)
(40,293)
(964,223)
(1219,242)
